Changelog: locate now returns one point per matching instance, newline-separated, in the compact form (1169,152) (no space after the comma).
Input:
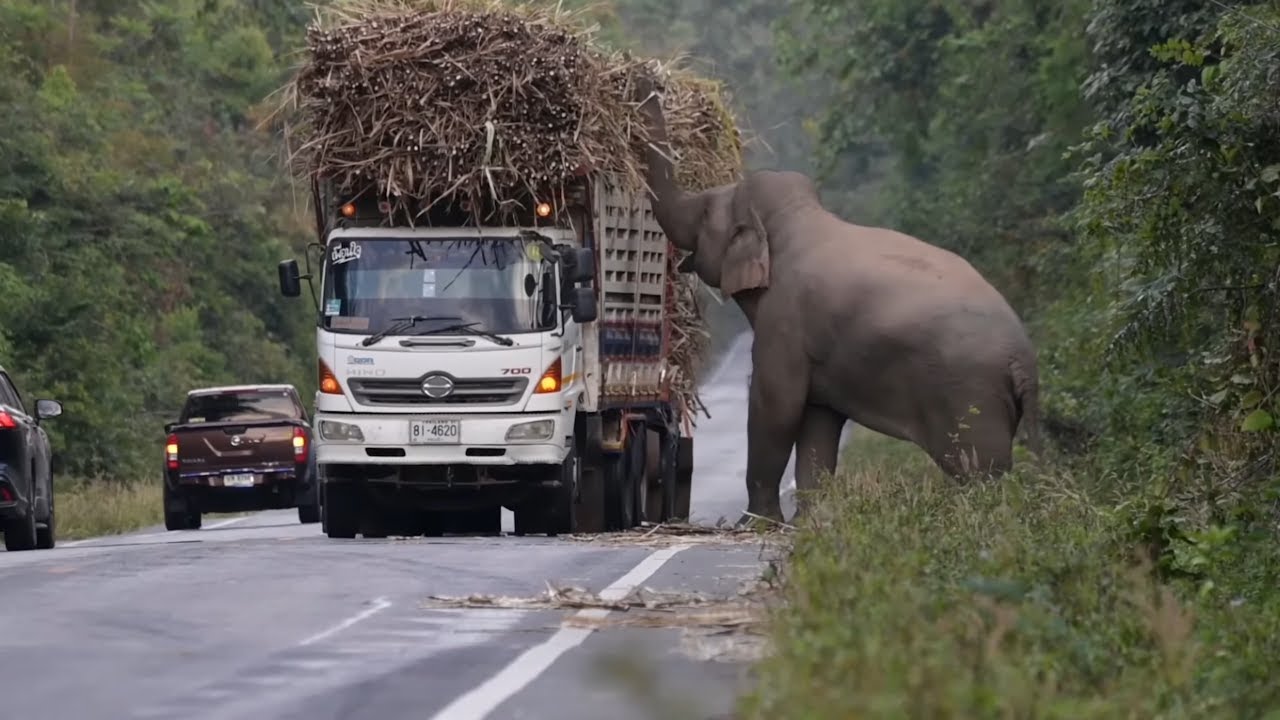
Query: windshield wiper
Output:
(402,324)
(469,328)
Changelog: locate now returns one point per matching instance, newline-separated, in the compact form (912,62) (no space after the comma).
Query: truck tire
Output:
(591,500)
(619,493)
(309,514)
(184,519)
(651,478)
(342,508)
(591,493)
(668,463)
(309,500)
(684,478)
(554,511)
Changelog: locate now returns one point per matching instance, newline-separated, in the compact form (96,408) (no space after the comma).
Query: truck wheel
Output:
(591,500)
(619,496)
(562,515)
(308,514)
(668,475)
(684,478)
(342,508)
(651,478)
(554,510)
(183,519)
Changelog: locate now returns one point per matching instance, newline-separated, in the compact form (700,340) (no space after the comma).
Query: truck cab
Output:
(450,368)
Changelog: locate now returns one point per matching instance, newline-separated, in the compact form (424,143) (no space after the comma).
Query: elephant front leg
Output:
(816,452)
(773,423)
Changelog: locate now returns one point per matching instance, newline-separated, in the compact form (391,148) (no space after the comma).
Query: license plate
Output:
(426,432)
(240,480)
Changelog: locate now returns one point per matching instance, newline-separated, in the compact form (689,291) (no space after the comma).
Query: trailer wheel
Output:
(670,475)
(651,477)
(637,485)
(684,478)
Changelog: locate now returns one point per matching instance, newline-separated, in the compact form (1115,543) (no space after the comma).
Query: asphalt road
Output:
(261,617)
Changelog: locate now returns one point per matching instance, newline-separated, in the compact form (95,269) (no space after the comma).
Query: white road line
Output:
(103,538)
(486,697)
(379,605)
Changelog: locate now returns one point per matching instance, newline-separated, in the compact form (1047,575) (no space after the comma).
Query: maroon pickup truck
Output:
(238,449)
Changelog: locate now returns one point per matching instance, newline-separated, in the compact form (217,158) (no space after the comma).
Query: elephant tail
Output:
(1026,393)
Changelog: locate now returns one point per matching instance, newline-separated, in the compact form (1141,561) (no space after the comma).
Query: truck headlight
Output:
(536,430)
(332,430)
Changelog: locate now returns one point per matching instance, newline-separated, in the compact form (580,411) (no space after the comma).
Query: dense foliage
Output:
(143,207)
(1113,166)
(140,216)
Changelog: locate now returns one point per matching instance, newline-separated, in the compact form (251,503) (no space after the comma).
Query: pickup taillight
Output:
(299,444)
(171,452)
(6,421)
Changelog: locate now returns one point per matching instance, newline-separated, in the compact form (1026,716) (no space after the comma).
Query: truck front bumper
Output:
(488,439)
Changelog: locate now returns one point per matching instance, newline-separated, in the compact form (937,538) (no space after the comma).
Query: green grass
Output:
(908,596)
(98,507)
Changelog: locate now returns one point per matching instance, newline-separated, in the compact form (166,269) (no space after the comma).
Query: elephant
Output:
(851,323)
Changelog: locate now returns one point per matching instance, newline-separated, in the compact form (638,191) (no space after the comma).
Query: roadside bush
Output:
(910,597)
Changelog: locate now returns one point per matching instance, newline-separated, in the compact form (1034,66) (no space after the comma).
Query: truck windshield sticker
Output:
(349,323)
(333,306)
(342,255)
(533,251)
(429,283)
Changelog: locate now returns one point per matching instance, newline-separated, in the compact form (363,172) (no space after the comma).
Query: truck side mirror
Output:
(290,278)
(584,305)
(584,265)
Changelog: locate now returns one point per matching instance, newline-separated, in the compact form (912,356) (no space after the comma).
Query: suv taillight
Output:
(299,444)
(171,452)
(6,421)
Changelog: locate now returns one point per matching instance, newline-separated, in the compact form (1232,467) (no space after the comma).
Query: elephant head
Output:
(724,227)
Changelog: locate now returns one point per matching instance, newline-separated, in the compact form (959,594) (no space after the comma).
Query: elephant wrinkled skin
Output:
(851,323)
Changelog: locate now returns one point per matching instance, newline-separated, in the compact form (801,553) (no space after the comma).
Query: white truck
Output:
(465,368)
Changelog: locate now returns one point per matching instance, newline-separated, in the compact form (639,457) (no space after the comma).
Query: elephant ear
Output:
(746,260)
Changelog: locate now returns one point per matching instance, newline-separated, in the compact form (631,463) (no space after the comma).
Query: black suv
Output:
(26,472)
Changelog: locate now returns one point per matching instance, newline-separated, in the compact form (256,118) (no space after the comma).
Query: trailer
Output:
(468,366)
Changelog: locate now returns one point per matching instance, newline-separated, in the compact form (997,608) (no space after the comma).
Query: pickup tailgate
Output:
(236,447)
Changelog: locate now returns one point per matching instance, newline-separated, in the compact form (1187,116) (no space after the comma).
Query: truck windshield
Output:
(503,285)
(241,406)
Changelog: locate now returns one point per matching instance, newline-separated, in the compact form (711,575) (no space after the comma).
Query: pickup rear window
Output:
(240,407)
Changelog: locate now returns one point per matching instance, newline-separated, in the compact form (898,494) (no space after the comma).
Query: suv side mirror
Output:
(583,306)
(46,409)
(583,266)
(290,278)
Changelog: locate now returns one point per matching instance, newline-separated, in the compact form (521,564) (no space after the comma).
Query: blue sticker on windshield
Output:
(332,306)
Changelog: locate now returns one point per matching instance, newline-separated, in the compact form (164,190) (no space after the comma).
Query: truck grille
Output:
(466,391)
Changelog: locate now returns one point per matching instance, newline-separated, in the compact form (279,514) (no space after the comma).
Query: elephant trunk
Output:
(677,211)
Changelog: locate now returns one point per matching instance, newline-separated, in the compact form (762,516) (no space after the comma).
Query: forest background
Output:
(1113,166)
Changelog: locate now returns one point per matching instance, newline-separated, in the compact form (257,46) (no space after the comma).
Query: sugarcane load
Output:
(501,322)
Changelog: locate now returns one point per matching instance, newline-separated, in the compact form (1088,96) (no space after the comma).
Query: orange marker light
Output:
(543,210)
(349,210)
(550,380)
(328,382)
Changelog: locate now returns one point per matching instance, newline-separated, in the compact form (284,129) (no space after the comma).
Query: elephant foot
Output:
(760,522)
